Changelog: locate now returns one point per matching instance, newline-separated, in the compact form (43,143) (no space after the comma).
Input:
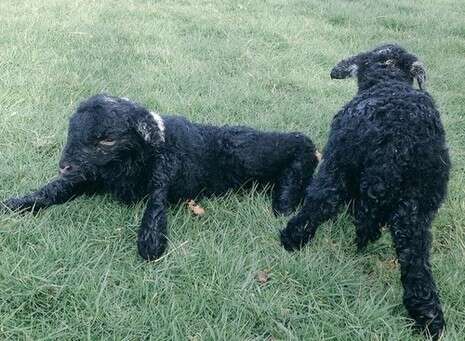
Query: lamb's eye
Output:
(107,141)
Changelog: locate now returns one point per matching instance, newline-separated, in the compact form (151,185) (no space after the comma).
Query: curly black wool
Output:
(117,146)
(386,156)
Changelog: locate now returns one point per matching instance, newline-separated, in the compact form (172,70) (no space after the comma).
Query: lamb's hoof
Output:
(151,249)
(361,243)
(11,205)
(294,237)
(433,326)
(289,242)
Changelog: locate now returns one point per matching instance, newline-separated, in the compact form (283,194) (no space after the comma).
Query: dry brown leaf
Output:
(393,264)
(318,155)
(390,264)
(263,277)
(195,208)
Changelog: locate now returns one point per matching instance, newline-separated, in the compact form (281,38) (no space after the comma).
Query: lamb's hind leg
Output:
(325,195)
(290,187)
(411,232)
(367,222)
(378,189)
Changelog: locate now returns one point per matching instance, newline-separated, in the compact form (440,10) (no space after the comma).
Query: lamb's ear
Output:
(418,72)
(345,68)
(150,127)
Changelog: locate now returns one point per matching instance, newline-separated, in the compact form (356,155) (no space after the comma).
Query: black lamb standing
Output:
(387,156)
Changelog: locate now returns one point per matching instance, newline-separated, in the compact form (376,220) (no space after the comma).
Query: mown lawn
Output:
(72,272)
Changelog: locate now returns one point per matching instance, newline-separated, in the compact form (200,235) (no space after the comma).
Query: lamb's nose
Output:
(65,169)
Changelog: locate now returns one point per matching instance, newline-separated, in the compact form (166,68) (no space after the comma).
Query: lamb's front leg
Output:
(152,239)
(56,192)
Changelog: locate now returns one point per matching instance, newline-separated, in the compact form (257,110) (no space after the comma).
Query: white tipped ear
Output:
(160,124)
(345,68)
(418,72)
(353,70)
(151,128)
(385,50)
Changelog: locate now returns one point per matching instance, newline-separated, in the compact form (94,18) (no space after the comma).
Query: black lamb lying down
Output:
(387,155)
(117,146)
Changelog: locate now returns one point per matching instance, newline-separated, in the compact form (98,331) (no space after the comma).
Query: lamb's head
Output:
(385,62)
(107,131)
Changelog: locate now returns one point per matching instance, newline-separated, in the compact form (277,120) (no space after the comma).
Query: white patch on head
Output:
(385,50)
(353,69)
(109,99)
(160,124)
(126,99)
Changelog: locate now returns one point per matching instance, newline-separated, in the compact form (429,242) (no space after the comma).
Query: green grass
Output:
(72,272)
